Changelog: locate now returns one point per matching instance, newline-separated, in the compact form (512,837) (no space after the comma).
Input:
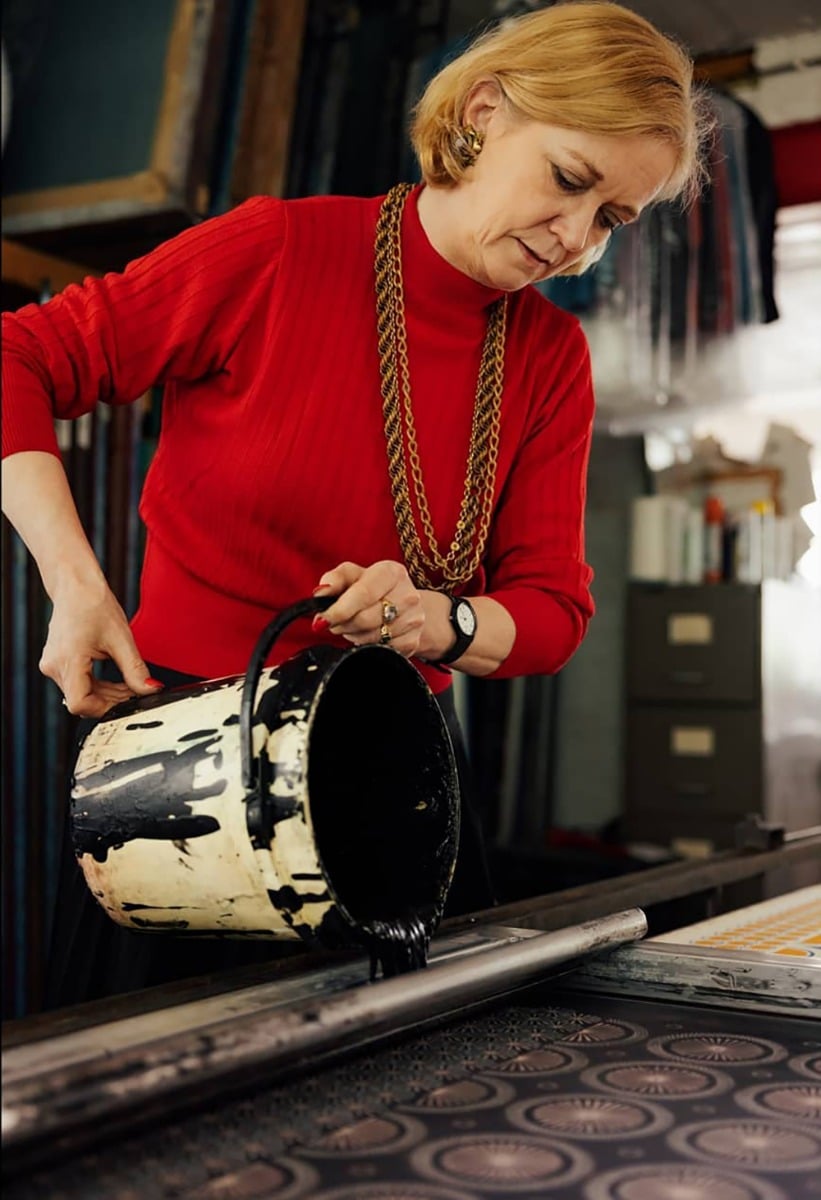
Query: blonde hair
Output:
(591,66)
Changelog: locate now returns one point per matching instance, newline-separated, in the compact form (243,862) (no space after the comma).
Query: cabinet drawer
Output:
(662,828)
(708,762)
(696,643)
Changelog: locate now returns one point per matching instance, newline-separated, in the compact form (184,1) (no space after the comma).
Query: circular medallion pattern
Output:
(391,1191)
(539,1062)
(801,1101)
(464,1095)
(718,1049)
(808,1064)
(297,1179)
(591,1117)
(502,1163)
(285,1179)
(756,1144)
(371,1135)
(666,1081)
(619,1033)
(672,1181)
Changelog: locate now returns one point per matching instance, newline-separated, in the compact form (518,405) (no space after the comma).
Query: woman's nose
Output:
(573,230)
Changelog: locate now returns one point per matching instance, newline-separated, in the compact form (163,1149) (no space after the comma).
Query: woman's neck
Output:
(434,268)
(437,217)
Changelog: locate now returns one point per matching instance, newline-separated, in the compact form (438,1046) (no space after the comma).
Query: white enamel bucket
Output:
(316,799)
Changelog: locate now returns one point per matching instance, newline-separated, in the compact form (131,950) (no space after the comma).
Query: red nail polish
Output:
(322,587)
(319,624)
(153,683)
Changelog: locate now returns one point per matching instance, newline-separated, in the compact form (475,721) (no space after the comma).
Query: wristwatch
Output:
(463,622)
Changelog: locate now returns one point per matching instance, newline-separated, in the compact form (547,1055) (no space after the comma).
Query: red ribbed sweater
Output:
(271,466)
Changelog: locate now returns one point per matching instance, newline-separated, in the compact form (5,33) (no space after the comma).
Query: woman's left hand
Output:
(367,598)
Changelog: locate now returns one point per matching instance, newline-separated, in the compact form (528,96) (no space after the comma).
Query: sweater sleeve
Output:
(536,566)
(176,313)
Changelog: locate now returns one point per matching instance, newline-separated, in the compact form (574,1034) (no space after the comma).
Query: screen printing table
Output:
(683,1067)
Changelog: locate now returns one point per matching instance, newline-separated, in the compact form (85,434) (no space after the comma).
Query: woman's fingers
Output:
(88,625)
(83,697)
(375,604)
(86,696)
(409,617)
(335,582)
(123,650)
(360,589)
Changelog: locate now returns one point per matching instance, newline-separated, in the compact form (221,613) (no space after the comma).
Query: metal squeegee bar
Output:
(54,1111)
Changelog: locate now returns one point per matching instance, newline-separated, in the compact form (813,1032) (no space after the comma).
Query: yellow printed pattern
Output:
(789,926)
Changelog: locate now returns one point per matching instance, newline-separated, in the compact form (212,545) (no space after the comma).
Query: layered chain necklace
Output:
(468,544)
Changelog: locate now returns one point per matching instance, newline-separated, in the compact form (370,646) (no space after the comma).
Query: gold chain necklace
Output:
(468,544)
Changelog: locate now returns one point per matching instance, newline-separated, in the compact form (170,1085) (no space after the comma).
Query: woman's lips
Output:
(532,256)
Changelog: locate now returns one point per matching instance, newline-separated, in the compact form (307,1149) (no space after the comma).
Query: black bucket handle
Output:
(302,608)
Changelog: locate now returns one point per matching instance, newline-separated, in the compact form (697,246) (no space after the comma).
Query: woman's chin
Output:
(526,269)
(506,278)
(512,281)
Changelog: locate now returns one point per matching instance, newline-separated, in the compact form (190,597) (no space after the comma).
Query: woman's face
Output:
(540,197)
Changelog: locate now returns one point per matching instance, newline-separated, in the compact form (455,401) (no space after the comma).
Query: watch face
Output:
(465,618)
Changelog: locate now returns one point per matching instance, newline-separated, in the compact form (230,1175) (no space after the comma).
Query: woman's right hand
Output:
(87,626)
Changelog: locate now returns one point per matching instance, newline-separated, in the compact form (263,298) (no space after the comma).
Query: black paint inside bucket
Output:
(384,801)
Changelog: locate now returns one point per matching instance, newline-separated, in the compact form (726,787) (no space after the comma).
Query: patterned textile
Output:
(623,1100)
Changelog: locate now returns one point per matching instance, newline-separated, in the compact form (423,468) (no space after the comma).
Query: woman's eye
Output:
(565,182)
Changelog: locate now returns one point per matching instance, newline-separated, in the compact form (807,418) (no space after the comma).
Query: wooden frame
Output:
(166,183)
(738,485)
(32,269)
(725,68)
(746,485)
(275,48)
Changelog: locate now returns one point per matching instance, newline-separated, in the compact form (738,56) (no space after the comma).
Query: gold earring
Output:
(466,143)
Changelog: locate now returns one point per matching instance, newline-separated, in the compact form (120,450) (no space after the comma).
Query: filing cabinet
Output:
(723,709)
(694,644)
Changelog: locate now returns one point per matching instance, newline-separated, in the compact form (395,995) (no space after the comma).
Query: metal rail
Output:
(652,886)
(641,889)
(743,980)
(49,1109)
(59,1096)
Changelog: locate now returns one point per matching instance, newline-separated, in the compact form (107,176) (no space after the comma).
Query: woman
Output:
(363,397)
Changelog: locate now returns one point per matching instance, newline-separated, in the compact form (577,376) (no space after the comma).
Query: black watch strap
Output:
(463,623)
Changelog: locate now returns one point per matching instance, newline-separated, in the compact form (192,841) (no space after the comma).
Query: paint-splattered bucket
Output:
(316,799)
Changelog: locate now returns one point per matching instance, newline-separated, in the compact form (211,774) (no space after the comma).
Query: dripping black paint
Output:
(397,946)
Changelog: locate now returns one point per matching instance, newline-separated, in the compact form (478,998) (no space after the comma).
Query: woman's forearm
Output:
(495,634)
(38,502)
(87,623)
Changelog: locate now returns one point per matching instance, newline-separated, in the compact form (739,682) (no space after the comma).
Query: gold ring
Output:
(384,635)
(389,612)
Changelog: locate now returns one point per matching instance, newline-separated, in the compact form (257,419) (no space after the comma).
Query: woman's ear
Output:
(484,99)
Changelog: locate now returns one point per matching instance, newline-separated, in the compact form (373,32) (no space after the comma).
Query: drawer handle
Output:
(692,789)
(690,677)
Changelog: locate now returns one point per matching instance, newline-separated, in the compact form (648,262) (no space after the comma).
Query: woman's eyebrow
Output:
(632,213)
(591,170)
